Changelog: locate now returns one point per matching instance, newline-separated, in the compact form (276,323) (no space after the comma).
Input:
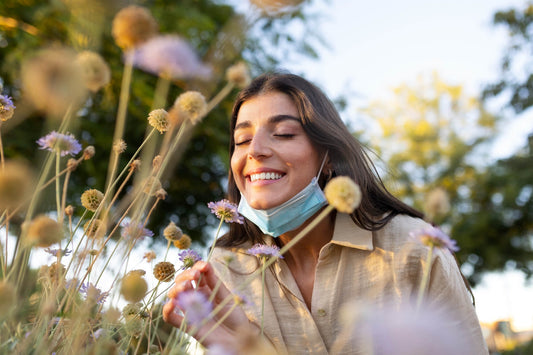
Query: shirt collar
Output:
(348,234)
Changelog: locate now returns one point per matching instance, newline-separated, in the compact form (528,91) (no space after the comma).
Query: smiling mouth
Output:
(265,176)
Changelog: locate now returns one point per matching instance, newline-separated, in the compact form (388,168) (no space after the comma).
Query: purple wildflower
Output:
(64,143)
(189,257)
(54,252)
(434,237)
(263,250)
(91,292)
(194,305)
(169,56)
(226,211)
(7,109)
(135,230)
(219,349)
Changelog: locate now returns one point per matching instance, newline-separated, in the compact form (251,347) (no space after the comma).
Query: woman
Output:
(287,142)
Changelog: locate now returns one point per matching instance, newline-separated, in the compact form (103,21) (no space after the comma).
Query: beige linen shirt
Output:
(383,267)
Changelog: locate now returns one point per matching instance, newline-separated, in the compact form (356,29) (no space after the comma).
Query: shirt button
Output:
(321,312)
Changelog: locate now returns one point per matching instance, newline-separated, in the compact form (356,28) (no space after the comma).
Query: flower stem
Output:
(425,278)
(58,188)
(263,261)
(215,241)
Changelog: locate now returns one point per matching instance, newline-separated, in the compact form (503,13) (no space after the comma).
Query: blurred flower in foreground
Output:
(95,229)
(238,75)
(226,211)
(133,287)
(56,252)
(91,199)
(194,305)
(92,293)
(164,271)
(189,257)
(437,203)
(184,242)
(172,232)
(276,7)
(169,56)
(343,194)
(16,184)
(132,26)
(95,71)
(64,143)
(159,120)
(149,256)
(53,81)
(191,106)
(404,331)
(434,237)
(151,185)
(263,250)
(135,230)
(43,231)
(7,109)
(8,298)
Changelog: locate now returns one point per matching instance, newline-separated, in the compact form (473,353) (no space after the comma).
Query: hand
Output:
(207,282)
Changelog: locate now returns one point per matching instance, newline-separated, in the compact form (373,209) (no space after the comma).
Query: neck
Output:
(306,251)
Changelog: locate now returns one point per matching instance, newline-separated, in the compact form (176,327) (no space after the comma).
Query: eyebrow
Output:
(271,120)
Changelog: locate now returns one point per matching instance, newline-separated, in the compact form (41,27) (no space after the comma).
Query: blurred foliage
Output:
(221,36)
(433,135)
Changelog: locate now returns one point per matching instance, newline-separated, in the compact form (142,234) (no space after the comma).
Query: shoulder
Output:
(396,233)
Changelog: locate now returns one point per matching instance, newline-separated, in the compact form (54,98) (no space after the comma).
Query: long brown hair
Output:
(324,127)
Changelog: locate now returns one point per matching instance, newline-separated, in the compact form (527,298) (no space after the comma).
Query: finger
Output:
(211,280)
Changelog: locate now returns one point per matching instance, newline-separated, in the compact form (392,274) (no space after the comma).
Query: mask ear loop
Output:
(322,165)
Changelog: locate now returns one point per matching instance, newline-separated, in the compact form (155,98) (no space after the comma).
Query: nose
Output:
(260,146)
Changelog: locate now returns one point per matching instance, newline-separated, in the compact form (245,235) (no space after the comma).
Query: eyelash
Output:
(285,136)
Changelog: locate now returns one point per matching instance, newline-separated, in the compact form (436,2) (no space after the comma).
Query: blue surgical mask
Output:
(290,214)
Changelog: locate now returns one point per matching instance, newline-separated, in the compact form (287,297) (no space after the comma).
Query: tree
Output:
(221,36)
(431,137)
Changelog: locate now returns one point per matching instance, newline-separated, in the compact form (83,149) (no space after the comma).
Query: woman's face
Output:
(273,158)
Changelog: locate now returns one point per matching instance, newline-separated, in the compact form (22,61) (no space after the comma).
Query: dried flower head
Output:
(437,203)
(151,185)
(59,142)
(132,26)
(88,152)
(43,231)
(156,162)
(159,120)
(226,211)
(161,194)
(343,194)
(96,72)
(7,109)
(95,229)
(72,164)
(53,81)
(119,146)
(8,297)
(169,56)
(172,232)
(55,272)
(132,309)
(276,7)
(239,75)
(134,326)
(265,251)
(91,199)
(135,165)
(184,242)
(16,184)
(149,256)
(192,106)
(189,257)
(69,210)
(434,237)
(133,287)
(164,271)
(194,305)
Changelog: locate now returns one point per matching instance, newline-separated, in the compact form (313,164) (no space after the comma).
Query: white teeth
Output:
(265,176)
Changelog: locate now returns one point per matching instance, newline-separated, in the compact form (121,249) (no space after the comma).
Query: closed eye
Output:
(242,142)
(284,135)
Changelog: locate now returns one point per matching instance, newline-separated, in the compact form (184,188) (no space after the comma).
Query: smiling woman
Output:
(287,143)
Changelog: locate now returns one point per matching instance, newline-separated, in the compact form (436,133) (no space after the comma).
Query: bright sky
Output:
(376,45)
